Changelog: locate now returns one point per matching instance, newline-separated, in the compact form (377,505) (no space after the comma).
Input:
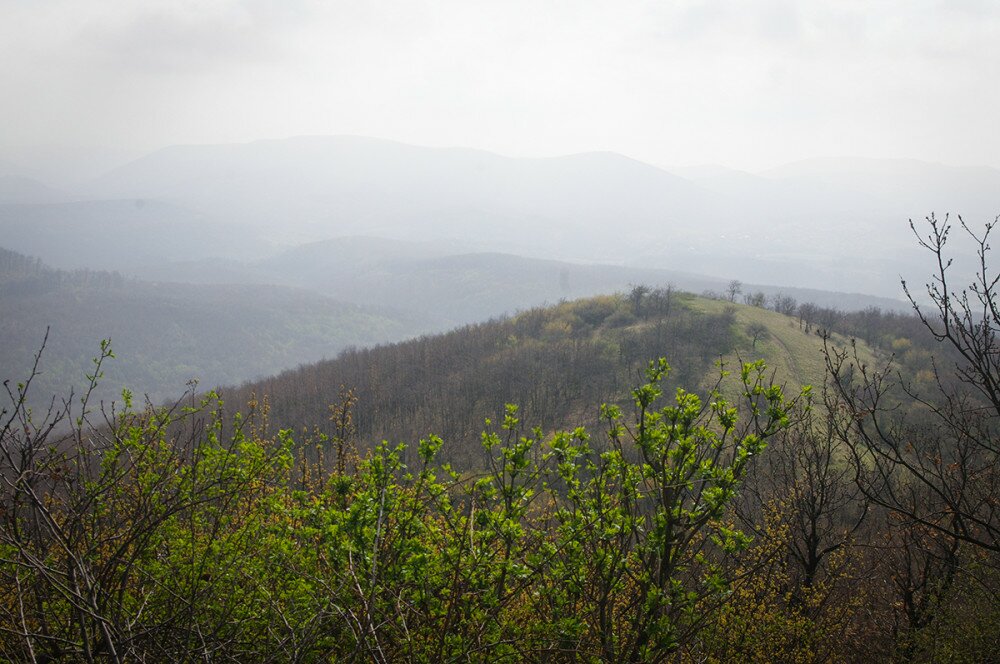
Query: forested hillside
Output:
(557,363)
(167,334)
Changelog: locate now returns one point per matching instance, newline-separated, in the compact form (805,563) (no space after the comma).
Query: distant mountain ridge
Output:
(331,186)
(833,224)
(492,282)
(823,224)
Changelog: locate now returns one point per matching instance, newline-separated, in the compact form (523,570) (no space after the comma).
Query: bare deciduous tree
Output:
(936,460)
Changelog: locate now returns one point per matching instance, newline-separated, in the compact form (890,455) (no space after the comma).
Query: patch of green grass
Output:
(795,357)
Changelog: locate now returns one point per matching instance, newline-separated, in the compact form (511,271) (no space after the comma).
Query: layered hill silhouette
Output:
(834,224)
(456,287)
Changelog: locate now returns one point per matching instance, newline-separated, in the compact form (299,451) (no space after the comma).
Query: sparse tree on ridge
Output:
(734,288)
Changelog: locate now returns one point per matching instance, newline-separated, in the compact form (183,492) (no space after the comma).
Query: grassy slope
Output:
(796,357)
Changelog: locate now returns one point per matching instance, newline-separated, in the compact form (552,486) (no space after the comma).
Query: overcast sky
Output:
(745,84)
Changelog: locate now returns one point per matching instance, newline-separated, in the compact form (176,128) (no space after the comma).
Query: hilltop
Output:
(557,363)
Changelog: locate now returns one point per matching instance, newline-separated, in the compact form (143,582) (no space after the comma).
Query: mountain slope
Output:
(167,334)
(559,364)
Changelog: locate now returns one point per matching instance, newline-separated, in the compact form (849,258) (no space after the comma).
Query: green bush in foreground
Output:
(147,534)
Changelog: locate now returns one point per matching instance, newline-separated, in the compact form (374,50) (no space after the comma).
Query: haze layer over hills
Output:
(837,224)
